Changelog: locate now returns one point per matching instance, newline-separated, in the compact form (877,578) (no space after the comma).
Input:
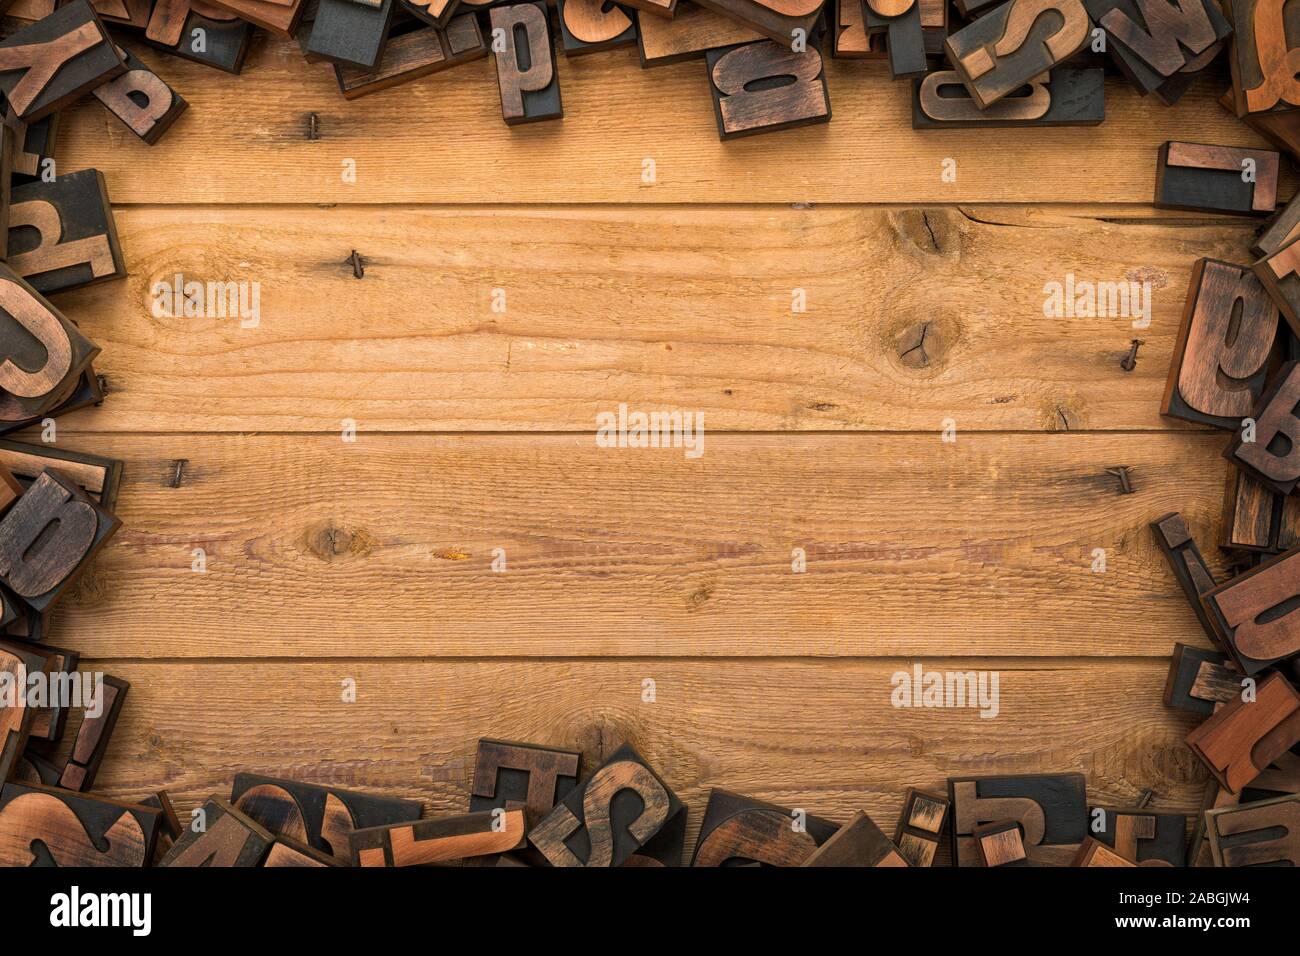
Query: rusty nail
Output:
(178,472)
(1129,361)
(358,264)
(1122,473)
(313,126)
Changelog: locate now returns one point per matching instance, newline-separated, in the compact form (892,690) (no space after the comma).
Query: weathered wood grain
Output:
(441,140)
(914,316)
(818,735)
(383,547)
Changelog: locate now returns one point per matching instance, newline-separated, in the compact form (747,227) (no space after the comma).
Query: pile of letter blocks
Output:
(970,63)
(1012,63)
(531,805)
(56,506)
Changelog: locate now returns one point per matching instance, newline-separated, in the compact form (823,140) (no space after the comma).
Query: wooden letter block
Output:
(1015,43)
(1225,347)
(1216,178)
(588,26)
(1144,837)
(46,826)
(1274,455)
(1187,564)
(1266,833)
(42,355)
(33,768)
(52,716)
(531,93)
(1256,518)
(1263,77)
(1067,96)
(1200,679)
(1245,736)
(849,39)
(199,31)
(127,13)
(33,145)
(441,840)
(17,665)
(93,736)
(351,33)
(510,774)
(1155,42)
(141,100)
(1095,853)
(50,64)
(900,21)
(291,853)
(1051,809)
(739,831)
(321,817)
(858,843)
(412,53)
(1280,274)
(99,477)
(663,9)
(1282,228)
(1254,612)
(219,836)
(920,826)
(750,94)
(435,12)
(598,823)
(775,19)
(274,16)
(1001,843)
(169,824)
(62,235)
(691,32)
(49,537)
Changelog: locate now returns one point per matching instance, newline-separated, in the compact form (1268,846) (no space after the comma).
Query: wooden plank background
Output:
(371,560)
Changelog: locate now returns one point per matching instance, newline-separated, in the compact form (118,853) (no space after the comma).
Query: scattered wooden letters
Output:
(142,100)
(61,233)
(1246,735)
(50,64)
(440,841)
(921,826)
(859,843)
(613,828)
(1198,680)
(739,830)
(1015,43)
(321,817)
(49,826)
(532,92)
(1266,833)
(1216,178)
(1051,808)
(1142,836)
(219,836)
(48,537)
(93,736)
(1225,346)
(1067,96)
(750,94)
(1272,454)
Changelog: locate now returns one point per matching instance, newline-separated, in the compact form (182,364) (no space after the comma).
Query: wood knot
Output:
(328,541)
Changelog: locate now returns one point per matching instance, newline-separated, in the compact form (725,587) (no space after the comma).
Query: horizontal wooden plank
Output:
(817,735)
(914,316)
(384,547)
(441,139)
